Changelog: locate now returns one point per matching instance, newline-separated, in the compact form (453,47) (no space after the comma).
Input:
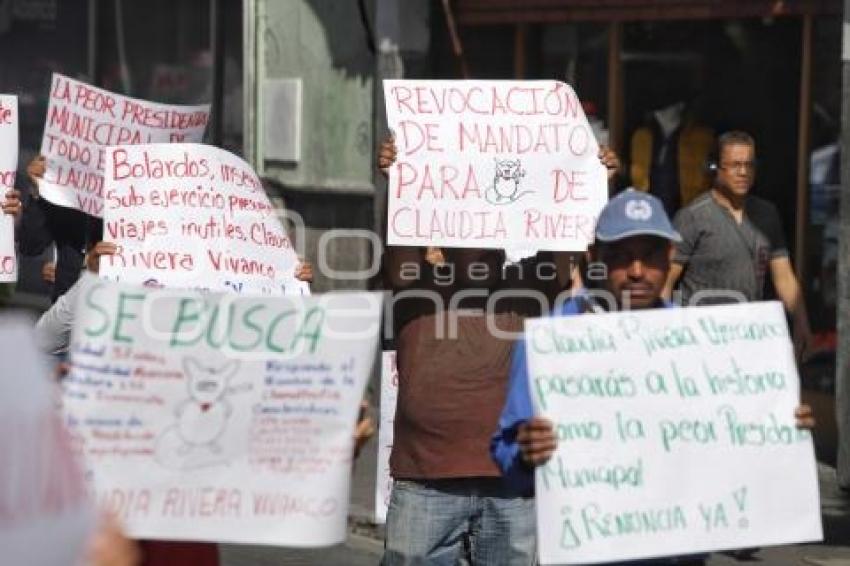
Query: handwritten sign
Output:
(215,417)
(8,166)
(389,396)
(42,492)
(492,164)
(193,216)
(675,432)
(83,120)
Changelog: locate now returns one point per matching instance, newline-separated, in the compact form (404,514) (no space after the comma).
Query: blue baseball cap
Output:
(634,213)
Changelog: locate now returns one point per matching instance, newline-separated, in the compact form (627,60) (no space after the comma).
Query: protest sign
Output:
(8,166)
(83,120)
(492,164)
(213,417)
(45,515)
(193,216)
(389,395)
(676,434)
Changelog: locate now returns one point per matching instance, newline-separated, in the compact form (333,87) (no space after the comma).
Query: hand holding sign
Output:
(92,260)
(537,442)
(304,271)
(609,158)
(671,424)
(805,417)
(35,171)
(12,203)
(387,156)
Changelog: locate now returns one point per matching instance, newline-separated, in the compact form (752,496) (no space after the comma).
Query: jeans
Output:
(473,521)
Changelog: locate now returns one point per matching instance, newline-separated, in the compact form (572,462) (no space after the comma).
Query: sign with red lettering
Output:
(193,216)
(492,164)
(8,166)
(45,514)
(221,418)
(83,120)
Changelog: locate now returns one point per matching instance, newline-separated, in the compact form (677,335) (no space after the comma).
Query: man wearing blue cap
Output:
(634,241)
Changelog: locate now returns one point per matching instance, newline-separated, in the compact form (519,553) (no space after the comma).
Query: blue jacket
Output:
(518,409)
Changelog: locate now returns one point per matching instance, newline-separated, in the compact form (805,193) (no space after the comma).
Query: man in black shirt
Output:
(44,223)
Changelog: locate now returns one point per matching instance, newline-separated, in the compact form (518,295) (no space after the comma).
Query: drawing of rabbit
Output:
(202,418)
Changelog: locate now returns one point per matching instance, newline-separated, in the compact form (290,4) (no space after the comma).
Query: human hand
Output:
(62,370)
(386,155)
(99,249)
(12,204)
(304,271)
(365,428)
(536,439)
(35,169)
(608,157)
(110,547)
(435,256)
(48,272)
(804,417)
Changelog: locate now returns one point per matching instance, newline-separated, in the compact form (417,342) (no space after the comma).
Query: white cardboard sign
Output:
(193,216)
(389,396)
(676,434)
(83,120)
(492,164)
(8,166)
(221,418)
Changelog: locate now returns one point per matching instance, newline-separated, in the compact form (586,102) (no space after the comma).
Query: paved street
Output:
(835,551)
(357,551)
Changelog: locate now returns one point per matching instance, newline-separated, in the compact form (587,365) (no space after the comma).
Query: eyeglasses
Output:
(736,166)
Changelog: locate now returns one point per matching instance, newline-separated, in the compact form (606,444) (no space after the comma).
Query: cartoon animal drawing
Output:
(202,418)
(506,182)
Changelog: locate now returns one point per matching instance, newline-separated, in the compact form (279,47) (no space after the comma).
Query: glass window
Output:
(38,37)
(157,50)
(161,51)
(821,281)
(576,54)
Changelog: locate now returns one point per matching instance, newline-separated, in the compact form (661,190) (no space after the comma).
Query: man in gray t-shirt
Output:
(730,239)
(717,253)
